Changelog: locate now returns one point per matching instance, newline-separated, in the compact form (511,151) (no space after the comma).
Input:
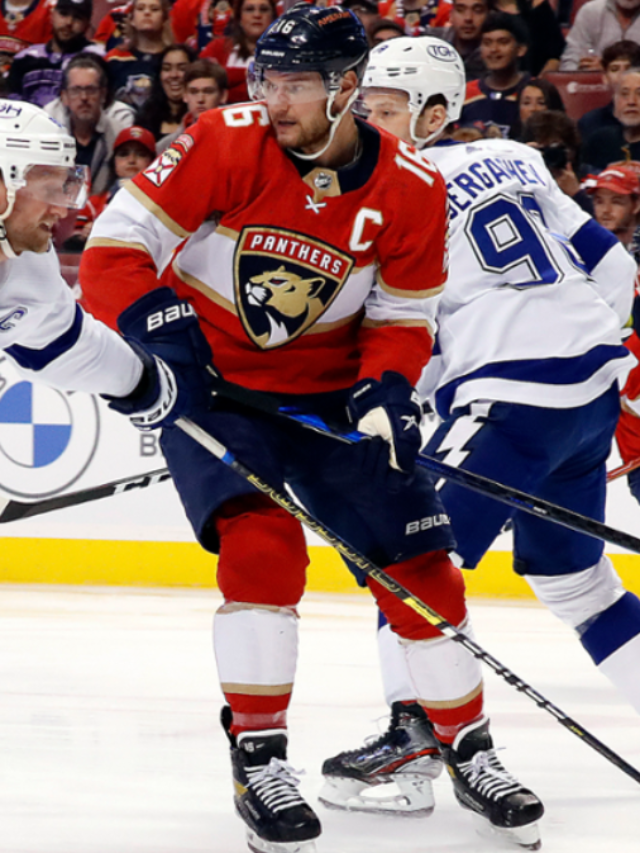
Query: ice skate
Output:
(482,784)
(266,794)
(407,754)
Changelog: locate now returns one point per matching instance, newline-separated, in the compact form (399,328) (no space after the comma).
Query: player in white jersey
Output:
(42,328)
(525,375)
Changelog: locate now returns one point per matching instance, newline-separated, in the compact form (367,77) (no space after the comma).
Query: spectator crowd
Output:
(151,67)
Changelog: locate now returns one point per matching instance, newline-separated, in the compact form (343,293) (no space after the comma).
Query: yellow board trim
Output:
(105,562)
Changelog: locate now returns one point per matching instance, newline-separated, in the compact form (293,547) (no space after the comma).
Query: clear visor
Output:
(276,87)
(60,186)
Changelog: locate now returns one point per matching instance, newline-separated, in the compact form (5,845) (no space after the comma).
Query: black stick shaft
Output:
(14,510)
(221,452)
(512,497)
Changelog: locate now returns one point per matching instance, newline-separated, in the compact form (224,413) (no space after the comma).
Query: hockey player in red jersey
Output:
(314,253)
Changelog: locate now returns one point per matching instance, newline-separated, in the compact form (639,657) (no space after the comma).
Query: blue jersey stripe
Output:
(37,359)
(592,242)
(538,371)
(612,628)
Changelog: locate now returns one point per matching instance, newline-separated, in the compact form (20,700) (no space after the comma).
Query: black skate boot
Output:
(482,784)
(407,754)
(266,793)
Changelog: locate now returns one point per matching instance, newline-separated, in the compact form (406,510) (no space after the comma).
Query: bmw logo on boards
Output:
(47,437)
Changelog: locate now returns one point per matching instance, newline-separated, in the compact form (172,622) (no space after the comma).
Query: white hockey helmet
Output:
(30,137)
(421,66)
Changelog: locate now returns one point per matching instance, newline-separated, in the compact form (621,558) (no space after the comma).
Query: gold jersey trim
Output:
(157,211)
(451,703)
(237,606)
(204,289)
(257,689)
(407,294)
(379,324)
(228,232)
(109,243)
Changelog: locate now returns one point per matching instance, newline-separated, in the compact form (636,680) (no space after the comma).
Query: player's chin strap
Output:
(335,123)
(5,245)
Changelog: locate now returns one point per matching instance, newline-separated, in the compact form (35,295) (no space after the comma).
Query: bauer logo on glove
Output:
(178,375)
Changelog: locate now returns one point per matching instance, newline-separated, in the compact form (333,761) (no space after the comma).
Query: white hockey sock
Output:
(396,680)
(256,651)
(444,675)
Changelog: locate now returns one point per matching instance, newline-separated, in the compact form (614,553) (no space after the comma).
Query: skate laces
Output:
(486,774)
(276,783)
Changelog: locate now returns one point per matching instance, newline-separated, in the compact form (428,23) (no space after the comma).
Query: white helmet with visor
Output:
(422,66)
(37,155)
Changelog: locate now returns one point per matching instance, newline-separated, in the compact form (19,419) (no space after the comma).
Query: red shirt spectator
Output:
(250,19)
(31,25)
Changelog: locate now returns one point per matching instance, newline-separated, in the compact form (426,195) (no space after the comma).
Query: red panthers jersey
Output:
(304,278)
(29,26)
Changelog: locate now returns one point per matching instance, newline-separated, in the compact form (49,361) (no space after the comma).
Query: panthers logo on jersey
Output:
(284,282)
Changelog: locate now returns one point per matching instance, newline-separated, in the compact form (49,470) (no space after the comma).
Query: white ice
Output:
(109,740)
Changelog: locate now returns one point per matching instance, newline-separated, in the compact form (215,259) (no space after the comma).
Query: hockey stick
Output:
(14,510)
(515,498)
(623,469)
(432,617)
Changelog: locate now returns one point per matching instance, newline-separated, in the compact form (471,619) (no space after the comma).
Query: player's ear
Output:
(433,119)
(348,85)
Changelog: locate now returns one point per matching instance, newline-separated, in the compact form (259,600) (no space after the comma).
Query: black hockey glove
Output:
(177,359)
(390,410)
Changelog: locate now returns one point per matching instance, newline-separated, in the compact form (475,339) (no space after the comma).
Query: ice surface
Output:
(109,739)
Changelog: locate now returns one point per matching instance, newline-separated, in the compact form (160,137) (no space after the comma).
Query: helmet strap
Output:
(334,121)
(5,245)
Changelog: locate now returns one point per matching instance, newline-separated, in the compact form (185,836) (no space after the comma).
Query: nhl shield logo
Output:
(284,283)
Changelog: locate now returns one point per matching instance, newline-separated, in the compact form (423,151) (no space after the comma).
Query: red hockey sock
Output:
(253,713)
(448,722)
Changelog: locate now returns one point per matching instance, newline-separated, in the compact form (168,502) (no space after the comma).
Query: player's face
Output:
(201,95)
(614,211)
(131,158)
(39,205)
(500,50)
(389,110)
(296,104)
(532,101)
(467,18)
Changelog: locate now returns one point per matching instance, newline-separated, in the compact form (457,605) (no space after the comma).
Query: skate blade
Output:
(259,845)
(527,837)
(415,797)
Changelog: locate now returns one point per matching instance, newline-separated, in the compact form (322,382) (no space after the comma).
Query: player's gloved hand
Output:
(391,410)
(178,374)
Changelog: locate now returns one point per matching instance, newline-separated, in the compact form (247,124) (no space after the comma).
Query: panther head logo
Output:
(285,296)
(284,283)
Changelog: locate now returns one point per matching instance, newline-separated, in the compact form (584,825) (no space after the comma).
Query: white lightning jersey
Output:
(537,290)
(51,339)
